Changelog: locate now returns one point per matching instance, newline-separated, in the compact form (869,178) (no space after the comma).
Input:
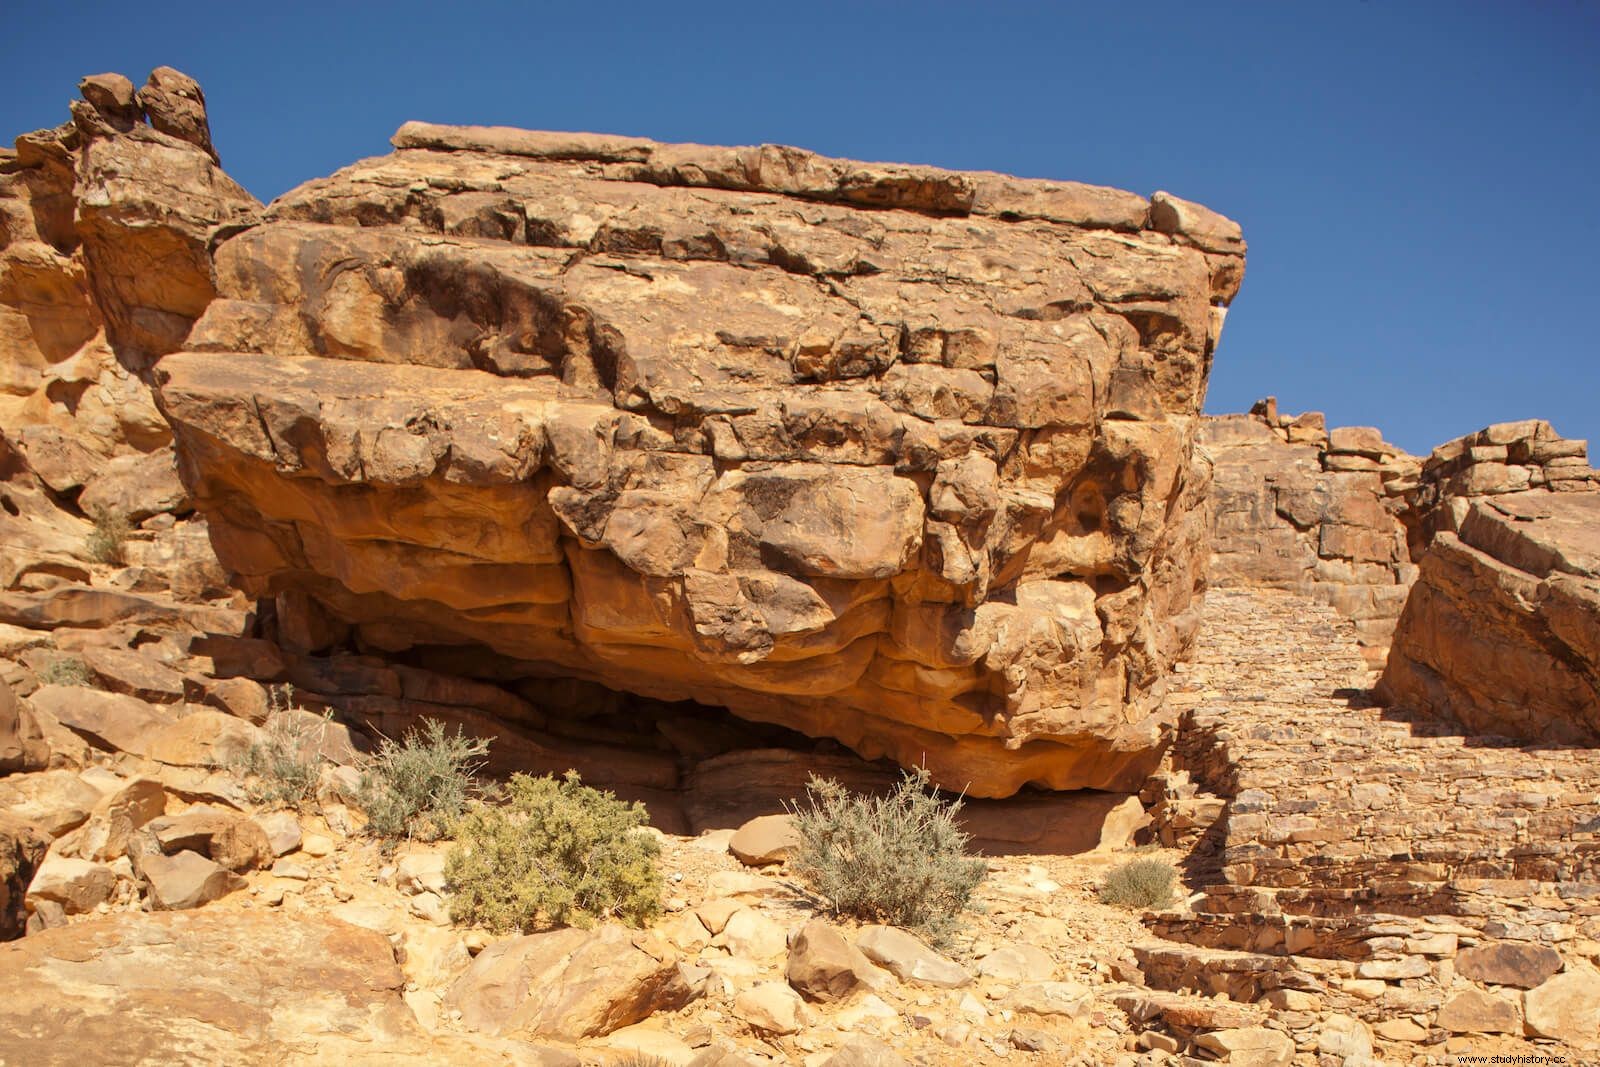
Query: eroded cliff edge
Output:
(890,454)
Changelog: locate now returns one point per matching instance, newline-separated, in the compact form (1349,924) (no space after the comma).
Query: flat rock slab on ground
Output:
(148,988)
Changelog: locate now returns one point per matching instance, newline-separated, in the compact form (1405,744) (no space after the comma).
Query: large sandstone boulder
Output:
(889,454)
(1502,631)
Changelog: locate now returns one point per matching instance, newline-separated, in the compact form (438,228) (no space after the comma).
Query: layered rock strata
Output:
(1301,508)
(888,454)
(1343,516)
(105,230)
(1501,633)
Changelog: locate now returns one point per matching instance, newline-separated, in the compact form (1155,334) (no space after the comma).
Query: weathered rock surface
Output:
(699,423)
(1298,508)
(210,988)
(824,966)
(569,984)
(22,849)
(1344,516)
(1502,631)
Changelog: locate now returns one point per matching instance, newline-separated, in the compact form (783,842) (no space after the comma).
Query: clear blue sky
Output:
(1417,181)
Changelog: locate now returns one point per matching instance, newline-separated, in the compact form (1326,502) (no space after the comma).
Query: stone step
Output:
(1244,977)
(1343,937)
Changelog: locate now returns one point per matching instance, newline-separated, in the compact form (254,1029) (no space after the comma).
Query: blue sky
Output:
(1417,181)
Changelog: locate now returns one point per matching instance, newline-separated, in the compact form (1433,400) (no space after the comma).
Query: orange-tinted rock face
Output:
(889,454)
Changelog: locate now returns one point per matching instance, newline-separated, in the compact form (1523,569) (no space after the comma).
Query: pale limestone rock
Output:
(54,801)
(751,935)
(910,958)
(1017,963)
(764,840)
(1474,1011)
(184,880)
(771,1008)
(569,984)
(77,885)
(1566,1007)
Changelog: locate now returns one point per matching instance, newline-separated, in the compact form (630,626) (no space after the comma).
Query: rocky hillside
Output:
(703,470)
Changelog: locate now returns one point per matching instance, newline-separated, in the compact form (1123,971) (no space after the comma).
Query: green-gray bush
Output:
(105,542)
(415,788)
(1140,884)
(282,769)
(68,670)
(556,852)
(899,859)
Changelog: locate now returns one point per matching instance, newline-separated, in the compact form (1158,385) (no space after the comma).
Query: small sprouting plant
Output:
(105,543)
(556,852)
(282,769)
(68,670)
(900,859)
(1140,884)
(415,788)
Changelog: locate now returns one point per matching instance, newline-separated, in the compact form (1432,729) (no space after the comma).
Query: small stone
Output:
(771,1007)
(421,872)
(1293,1000)
(76,884)
(1474,1011)
(1365,988)
(1018,963)
(1052,998)
(1157,1041)
(865,1052)
(1510,963)
(316,846)
(1250,1046)
(764,840)
(283,831)
(1400,1030)
(185,880)
(1026,1039)
(753,936)
(714,914)
(910,958)
(1345,1037)
(824,966)
(1393,970)
(292,869)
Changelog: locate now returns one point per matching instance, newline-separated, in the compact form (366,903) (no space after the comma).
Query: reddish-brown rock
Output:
(1502,631)
(698,423)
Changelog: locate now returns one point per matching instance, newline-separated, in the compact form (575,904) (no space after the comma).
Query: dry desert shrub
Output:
(899,859)
(418,786)
(283,768)
(1140,884)
(105,542)
(68,670)
(555,852)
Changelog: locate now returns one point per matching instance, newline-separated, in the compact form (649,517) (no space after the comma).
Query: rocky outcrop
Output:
(1502,630)
(887,454)
(106,224)
(1343,516)
(1299,508)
